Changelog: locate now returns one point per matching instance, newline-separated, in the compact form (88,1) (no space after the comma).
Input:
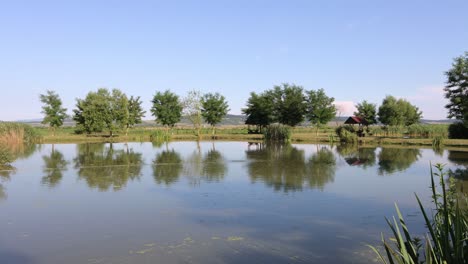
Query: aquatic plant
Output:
(447,240)
(160,136)
(17,133)
(277,132)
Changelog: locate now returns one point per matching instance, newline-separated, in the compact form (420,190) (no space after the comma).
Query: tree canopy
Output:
(320,108)
(259,110)
(135,111)
(214,108)
(367,111)
(289,103)
(167,109)
(457,89)
(54,113)
(399,112)
(101,110)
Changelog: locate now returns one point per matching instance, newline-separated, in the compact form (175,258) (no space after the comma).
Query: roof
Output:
(355,120)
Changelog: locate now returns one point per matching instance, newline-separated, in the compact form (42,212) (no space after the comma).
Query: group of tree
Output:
(289,104)
(112,111)
(107,110)
(168,108)
(392,112)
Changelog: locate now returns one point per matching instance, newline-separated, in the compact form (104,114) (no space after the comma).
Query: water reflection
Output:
(355,155)
(392,160)
(284,167)
(214,166)
(54,165)
(167,167)
(104,167)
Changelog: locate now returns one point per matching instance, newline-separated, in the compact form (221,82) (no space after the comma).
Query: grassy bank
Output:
(394,136)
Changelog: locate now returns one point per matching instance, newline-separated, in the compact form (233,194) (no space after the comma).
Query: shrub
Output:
(277,132)
(458,130)
(5,157)
(347,134)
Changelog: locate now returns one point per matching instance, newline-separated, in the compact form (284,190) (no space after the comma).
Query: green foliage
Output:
(320,108)
(399,112)
(448,230)
(277,133)
(192,109)
(166,108)
(458,130)
(6,158)
(214,108)
(101,110)
(54,113)
(367,111)
(159,136)
(457,89)
(259,110)
(135,111)
(289,104)
(347,134)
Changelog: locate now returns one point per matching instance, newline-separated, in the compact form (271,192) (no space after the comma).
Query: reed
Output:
(347,134)
(16,133)
(277,133)
(447,238)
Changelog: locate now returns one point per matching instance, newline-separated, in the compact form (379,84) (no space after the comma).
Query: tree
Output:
(214,108)
(399,112)
(259,110)
(167,108)
(192,109)
(101,110)
(457,89)
(289,104)
(367,111)
(320,108)
(135,112)
(54,113)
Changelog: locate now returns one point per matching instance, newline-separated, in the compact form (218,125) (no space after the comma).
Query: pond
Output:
(209,202)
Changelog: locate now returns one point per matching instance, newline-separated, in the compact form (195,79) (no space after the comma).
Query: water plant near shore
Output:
(447,241)
(277,132)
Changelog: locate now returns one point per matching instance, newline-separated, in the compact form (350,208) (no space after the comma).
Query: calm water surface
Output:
(222,202)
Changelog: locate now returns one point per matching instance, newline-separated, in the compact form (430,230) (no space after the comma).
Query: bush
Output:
(277,132)
(347,134)
(5,157)
(458,130)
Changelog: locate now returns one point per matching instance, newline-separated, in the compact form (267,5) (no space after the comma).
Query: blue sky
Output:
(355,50)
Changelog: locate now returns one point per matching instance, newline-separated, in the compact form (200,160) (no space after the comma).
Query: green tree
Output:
(214,109)
(399,112)
(192,109)
(135,112)
(367,111)
(167,108)
(320,108)
(289,104)
(457,89)
(119,110)
(54,113)
(259,110)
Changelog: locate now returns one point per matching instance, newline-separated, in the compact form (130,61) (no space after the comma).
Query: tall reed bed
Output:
(277,133)
(447,224)
(16,133)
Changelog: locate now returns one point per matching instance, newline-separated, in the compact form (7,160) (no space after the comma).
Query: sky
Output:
(354,50)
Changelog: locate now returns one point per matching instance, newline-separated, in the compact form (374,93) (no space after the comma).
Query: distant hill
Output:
(230,120)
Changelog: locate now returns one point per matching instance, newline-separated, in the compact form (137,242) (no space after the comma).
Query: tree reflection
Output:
(357,156)
(392,160)
(104,167)
(167,167)
(458,157)
(284,167)
(322,168)
(214,167)
(54,164)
